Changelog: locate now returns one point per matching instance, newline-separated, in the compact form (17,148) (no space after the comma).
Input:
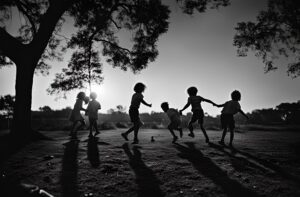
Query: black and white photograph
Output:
(149,98)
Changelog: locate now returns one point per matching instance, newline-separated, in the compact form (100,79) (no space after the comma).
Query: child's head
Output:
(81,95)
(236,95)
(86,99)
(139,87)
(165,106)
(192,91)
(93,95)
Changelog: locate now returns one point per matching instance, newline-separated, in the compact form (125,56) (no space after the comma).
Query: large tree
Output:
(95,21)
(275,33)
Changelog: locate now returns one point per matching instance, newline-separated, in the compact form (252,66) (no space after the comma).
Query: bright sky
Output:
(196,51)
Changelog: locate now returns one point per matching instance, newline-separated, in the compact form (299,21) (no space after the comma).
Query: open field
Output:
(263,163)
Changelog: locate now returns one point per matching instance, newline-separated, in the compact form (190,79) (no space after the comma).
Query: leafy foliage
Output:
(7,104)
(275,33)
(189,6)
(31,12)
(290,112)
(84,68)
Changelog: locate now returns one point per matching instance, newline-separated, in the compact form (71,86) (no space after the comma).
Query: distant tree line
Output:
(49,119)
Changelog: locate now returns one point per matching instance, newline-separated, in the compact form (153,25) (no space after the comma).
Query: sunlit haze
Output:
(196,51)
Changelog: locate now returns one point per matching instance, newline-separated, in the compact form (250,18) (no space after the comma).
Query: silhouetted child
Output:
(136,100)
(227,120)
(76,117)
(92,112)
(175,121)
(195,101)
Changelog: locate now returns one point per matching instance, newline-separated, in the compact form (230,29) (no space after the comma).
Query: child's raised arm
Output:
(145,103)
(243,113)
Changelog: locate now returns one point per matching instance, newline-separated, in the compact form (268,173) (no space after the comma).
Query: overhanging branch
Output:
(25,11)
(113,44)
(10,46)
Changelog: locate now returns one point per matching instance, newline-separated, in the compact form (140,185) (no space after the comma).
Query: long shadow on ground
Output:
(239,163)
(148,184)
(268,164)
(69,171)
(93,152)
(209,169)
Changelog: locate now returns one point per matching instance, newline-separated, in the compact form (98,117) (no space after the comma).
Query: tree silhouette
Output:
(84,68)
(96,22)
(290,112)
(275,33)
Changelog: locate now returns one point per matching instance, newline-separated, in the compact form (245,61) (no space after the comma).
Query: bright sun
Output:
(99,89)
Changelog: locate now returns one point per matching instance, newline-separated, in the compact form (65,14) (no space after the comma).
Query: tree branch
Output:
(114,22)
(113,44)
(47,25)
(25,12)
(10,46)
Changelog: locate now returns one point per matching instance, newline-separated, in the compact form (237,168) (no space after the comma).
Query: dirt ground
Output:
(262,164)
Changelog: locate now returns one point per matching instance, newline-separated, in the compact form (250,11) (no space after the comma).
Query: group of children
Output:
(227,120)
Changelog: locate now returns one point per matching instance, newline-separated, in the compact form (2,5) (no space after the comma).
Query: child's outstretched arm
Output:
(209,101)
(184,108)
(221,105)
(145,103)
(243,113)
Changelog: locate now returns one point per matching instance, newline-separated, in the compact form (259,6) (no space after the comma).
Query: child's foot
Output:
(90,135)
(207,141)
(135,141)
(191,134)
(230,145)
(180,133)
(175,139)
(221,143)
(97,132)
(124,135)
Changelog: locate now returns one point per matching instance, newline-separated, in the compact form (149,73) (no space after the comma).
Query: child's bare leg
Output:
(191,134)
(223,136)
(205,134)
(231,136)
(136,131)
(76,125)
(124,135)
(180,132)
(171,131)
(96,128)
(91,128)
(72,129)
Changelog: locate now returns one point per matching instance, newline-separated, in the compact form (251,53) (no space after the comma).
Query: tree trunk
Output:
(21,127)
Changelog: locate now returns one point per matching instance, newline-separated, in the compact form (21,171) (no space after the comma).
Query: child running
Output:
(92,112)
(175,122)
(195,101)
(136,100)
(227,120)
(76,117)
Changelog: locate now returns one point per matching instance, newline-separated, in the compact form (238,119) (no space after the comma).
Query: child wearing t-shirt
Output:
(175,122)
(92,112)
(227,120)
(195,101)
(136,100)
